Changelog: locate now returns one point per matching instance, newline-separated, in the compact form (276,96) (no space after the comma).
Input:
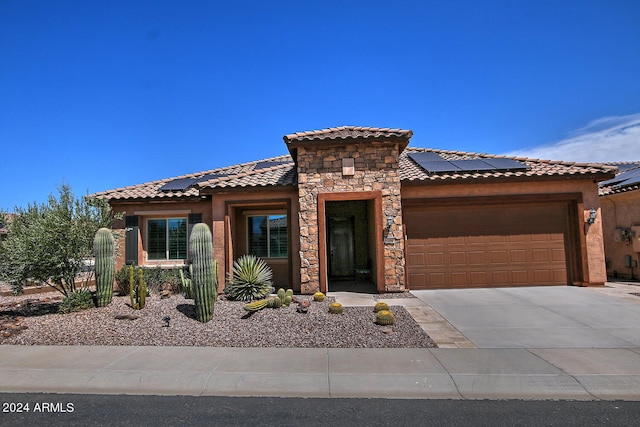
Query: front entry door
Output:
(341,247)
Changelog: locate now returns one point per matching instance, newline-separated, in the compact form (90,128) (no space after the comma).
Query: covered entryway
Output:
(349,245)
(458,246)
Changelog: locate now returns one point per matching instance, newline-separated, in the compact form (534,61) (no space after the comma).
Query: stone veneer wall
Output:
(376,169)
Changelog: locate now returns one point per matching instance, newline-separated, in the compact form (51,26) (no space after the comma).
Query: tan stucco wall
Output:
(286,272)
(620,210)
(155,210)
(591,246)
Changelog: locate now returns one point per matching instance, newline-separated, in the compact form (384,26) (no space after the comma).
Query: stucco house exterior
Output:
(620,201)
(358,204)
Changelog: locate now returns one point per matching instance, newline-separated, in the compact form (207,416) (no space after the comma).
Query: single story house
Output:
(620,201)
(356,204)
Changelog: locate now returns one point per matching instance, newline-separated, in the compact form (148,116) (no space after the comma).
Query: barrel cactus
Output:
(318,296)
(205,272)
(380,306)
(277,302)
(385,317)
(335,308)
(103,249)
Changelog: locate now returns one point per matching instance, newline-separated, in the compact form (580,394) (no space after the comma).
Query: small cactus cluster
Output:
(385,317)
(380,306)
(318,296)
(335,308)
(137,288)
(282,298)
(103,249)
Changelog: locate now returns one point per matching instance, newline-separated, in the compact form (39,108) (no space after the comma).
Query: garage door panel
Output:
(499,257)
(557,255)
(501,247)
(437,279)
(518,256)
(435,259)
(540,255)
(417,259)
(500,277)
(457,258)
(459,279)
(477,258)
(520,277)
(419,280)
(478,278)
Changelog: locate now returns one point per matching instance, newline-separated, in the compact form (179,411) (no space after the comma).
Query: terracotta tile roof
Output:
(623,181)
(275,171)
(281,172)
(412,173)
(348,132)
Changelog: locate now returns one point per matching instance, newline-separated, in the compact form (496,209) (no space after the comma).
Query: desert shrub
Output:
(250,280)
(76,301)
(122,280)
(157,279)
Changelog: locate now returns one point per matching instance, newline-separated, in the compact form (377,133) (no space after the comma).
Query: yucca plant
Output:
(250,280)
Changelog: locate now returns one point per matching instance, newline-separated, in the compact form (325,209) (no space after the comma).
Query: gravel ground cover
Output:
(119,324)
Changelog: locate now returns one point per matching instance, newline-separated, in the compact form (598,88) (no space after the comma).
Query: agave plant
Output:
(250,280)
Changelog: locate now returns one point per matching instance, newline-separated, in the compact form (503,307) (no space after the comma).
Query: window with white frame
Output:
(167,238)
(267,236)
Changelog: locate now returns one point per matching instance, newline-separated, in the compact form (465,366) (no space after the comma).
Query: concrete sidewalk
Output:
(577,374)
(594,353)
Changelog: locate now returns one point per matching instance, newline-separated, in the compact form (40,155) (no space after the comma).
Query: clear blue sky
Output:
(106,93)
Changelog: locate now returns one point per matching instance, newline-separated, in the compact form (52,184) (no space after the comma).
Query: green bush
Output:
(157,279)
(250,281)
(122,280)
(76,301)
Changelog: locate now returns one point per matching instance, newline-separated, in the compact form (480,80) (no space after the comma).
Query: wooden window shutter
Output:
(194,218)
(131,239)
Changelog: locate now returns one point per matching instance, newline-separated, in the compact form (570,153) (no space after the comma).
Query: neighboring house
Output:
(620,200)
(355,203)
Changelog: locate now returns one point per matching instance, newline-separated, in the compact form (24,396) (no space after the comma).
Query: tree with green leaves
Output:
(50,242)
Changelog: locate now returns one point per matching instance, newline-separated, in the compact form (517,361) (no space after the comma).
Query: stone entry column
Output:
(320,172)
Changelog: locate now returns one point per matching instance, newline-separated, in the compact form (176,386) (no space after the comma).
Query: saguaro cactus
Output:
(205,271)
(103,250)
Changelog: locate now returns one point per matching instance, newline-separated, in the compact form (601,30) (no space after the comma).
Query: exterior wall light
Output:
(593,214)
(389,222)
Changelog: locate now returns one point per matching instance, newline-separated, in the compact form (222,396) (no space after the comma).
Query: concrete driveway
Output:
(539,317)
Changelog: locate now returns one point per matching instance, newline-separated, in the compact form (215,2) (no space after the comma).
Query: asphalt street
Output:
(157,411)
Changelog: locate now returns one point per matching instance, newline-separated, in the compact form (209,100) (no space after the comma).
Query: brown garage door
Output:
(457,247)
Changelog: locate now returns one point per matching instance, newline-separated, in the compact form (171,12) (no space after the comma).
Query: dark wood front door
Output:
(341,247)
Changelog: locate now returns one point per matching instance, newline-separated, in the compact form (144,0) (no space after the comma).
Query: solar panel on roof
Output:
(624,166)
(427,156)
(506,164)
(439,166)
(432,163)
(630,177)
(270,163)
(472,165)
(178,184)
(210,176)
